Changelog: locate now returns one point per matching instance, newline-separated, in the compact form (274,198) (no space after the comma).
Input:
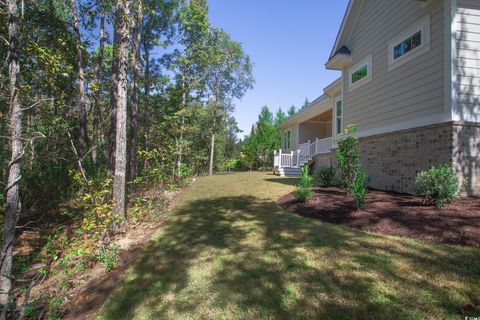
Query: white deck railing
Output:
(306,151)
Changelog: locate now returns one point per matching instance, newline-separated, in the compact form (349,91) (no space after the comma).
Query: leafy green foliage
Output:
(108,256)
(359,190)
(291,111)
(326,176)
(204,71)
(348,156)
(438,185)
(258,148)
(303,191)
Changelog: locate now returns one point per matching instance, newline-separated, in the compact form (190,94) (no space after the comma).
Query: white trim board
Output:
(367,61)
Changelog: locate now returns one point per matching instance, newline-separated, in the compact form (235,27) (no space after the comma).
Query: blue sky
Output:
(289,43)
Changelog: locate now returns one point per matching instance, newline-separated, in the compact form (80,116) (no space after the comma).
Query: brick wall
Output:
(392,160)
(466,155)
(324,159)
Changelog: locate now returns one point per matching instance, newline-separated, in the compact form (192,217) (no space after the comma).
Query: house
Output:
(410,81)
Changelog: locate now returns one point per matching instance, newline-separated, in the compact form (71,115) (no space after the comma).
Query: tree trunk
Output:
(146,48)
(212,143)
(137,33)
(13,205)
(119,80)
(212,152)
(182,124)
(98,72)
(82,137)
(113,109)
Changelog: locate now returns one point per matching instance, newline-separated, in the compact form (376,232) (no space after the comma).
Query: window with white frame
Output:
(411,43)
(360,73)
(338,115)
(287,135)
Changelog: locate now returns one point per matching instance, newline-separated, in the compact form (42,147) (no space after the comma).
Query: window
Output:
(360,73)
(338,116)
(407,45)
(410,44)
(287,140)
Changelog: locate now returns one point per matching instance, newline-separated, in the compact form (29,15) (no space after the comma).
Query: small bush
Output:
(438,185)
(359,191)
(326,176)
(348,156)
(303,192)
(108,256)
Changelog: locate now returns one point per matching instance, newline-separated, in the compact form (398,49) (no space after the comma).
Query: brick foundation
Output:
(466,155)
(392,160)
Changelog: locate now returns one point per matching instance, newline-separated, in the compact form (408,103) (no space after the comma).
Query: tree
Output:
(13,204)
(190,64)
(268,136)
(230,76)
(265,116)
(157,30)
(306,103)
(136,38)
(82,137)
(97,111)
(119,104)
(291,111)
(280,117)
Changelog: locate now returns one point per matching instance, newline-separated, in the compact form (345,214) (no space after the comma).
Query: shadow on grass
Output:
(241,257)
(283,180)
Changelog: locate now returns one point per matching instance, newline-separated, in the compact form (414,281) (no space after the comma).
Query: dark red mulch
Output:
(396,214)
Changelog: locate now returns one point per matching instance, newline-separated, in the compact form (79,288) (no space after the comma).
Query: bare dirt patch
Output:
(395,214)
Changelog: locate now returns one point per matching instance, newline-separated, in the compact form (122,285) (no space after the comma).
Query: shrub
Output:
(438,185)
(359,191)
(108,256)
(303,192)
(326,176)
(348,155)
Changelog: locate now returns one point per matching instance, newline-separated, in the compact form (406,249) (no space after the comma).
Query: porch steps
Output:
(289,172)
(293,171)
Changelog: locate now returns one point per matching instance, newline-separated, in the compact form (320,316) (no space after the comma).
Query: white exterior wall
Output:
(413,90)
(467,63)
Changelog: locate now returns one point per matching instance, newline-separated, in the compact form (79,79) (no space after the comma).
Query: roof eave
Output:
(338,61)
(342,27)
(334,88)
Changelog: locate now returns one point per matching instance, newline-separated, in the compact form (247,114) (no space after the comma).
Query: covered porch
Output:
(313,136)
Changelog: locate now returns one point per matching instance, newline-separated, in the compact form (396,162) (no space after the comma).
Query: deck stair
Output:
(289,164)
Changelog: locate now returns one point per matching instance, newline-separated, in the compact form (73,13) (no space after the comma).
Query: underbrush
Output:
(80,238)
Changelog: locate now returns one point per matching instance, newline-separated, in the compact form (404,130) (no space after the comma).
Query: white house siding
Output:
(410,91)
(468,60)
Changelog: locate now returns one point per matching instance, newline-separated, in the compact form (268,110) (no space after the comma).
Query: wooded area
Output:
(102,98)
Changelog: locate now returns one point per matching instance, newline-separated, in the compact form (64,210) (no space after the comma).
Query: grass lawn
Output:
(229,252)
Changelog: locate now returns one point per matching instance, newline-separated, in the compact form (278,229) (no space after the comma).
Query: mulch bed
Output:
(395,214)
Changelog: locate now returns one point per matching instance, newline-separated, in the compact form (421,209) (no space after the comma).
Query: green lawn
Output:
(229,252)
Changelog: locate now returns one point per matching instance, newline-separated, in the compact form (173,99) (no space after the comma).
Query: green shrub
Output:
(108,256)
(303,192)
(359,191)
(348,155)
(326,176)
(438,185)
